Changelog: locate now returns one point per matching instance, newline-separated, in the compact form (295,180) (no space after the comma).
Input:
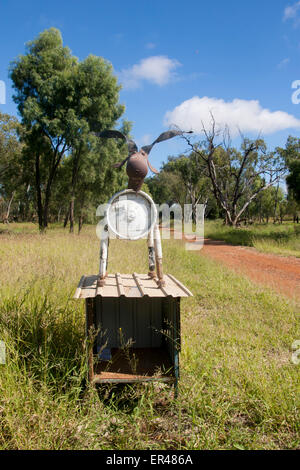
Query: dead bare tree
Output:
(237,177)
(6,217)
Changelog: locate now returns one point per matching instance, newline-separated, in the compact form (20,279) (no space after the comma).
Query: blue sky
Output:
(178,60)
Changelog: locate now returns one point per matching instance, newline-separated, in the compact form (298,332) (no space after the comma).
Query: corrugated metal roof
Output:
(130,285)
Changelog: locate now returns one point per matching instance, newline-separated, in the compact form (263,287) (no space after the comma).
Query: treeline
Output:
(55,168)
(240,185)
(52,164)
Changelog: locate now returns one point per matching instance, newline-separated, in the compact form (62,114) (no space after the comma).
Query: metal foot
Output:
(101,281)
(152,274)
(161,282)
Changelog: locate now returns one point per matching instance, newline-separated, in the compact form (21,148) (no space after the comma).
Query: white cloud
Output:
(156,69)
(150,45)
(283,63)
(246,116)
(290,12)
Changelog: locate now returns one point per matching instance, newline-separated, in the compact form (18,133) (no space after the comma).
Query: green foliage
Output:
(62,101)
(13,182)
(291,154)
(10,149)
(282,239)
(182,180)
(293,179)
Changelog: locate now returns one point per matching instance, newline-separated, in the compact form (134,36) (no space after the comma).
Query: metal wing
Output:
(164,136)
(112,134)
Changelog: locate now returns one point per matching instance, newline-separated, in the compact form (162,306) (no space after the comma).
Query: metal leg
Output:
(158,256)
(103,257)
(151,255)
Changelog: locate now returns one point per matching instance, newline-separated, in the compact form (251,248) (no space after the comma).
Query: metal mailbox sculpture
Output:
(138,315)
(132,213)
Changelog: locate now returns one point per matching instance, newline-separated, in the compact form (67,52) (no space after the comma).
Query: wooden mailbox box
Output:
(138,324)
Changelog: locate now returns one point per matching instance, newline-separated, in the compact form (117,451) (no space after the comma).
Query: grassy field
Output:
(238,389)
(281,239)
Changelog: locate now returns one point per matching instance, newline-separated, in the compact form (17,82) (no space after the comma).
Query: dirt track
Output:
(280,273)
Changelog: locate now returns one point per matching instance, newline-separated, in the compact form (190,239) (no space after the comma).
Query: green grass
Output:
(281,239)
(238,388)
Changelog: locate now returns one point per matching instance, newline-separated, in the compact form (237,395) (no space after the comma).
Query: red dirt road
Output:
(278,272)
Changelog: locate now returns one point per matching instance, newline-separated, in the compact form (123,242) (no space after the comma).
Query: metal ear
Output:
(119,165)
(167,135)
(110,134)
(113,134)
(164,136)
(154,170)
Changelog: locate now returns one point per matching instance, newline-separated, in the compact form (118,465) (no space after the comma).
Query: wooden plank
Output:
(139,284)
(78,290)
(120,284)
(130,285)
(161,288)
(99,379)
(185,289)
(89,288)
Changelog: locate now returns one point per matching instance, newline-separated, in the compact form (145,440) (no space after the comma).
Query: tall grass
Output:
(281,239)
(238,386)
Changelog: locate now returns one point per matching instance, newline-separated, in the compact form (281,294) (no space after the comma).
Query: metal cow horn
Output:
(137,161)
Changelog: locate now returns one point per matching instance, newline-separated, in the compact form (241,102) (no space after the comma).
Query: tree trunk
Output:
(227,220)
(67,218)
(75,171)
(80,223)
(38,192)
(6,218)
(275,205)
(71,213)
(46,205)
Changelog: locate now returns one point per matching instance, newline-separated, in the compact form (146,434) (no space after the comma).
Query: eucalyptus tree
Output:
(60,100)
(95,101)
(195,185)
(293,180)
(11,171)
(291,155)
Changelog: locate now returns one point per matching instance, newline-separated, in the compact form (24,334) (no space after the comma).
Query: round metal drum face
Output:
(131,215)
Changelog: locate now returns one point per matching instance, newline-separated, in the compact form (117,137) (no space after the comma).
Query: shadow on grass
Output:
(127,397)
(123,397)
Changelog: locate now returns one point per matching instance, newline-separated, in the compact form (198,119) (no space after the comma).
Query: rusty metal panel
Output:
(107,315)
(122,320)
(130,285)
(142,323)
(156,322)
(126,321)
